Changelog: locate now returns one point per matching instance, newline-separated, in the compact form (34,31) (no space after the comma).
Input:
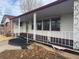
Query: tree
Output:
(27,5)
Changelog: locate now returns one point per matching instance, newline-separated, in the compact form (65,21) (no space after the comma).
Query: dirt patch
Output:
(35,52)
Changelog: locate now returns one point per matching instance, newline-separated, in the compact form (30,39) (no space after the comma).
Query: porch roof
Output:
(57,8)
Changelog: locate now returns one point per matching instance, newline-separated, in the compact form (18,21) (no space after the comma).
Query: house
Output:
(53,24)
(1,29)
(6,24)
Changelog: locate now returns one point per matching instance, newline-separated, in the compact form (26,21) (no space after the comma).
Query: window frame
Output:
(55,24)
(39,27)
(45,24)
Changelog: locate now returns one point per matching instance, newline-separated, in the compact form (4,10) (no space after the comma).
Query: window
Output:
(55,24)
(32,25)
(46,25)
(39,25)
(21,23)
(58,25)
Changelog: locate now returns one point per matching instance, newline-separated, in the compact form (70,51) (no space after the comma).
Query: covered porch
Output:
(52,24)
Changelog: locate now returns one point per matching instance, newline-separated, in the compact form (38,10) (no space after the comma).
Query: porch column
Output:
(76,25)
(50,25)
(14,29)
(18,26)
(11,29)
(42,26)
(49,38)
(34,25)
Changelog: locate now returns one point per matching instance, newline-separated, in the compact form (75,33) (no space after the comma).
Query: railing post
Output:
(34,25)
(27,38)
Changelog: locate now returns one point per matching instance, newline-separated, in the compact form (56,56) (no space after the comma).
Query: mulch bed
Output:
(36,52)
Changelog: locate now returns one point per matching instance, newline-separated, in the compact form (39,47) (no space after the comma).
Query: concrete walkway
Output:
(5,46)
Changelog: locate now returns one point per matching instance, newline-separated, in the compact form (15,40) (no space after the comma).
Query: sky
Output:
(12,7)
(48,1)
(9,7)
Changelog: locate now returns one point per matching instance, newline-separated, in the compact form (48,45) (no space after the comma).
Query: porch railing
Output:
(64,38)
(62,34)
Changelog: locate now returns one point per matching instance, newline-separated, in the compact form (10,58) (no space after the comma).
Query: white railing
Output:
(62,34)
(63,38)
(57,34)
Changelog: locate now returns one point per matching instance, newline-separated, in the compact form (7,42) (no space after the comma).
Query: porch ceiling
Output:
(57,10)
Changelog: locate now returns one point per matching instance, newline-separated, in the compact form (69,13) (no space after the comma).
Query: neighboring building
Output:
(52,24)
(1,29)
(6,24)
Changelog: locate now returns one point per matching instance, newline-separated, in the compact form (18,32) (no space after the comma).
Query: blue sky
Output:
(48,1)
(10,7)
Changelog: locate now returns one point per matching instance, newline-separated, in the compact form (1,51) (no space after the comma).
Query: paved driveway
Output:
(5,46)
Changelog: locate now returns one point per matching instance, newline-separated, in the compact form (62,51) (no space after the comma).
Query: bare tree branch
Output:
(27,5)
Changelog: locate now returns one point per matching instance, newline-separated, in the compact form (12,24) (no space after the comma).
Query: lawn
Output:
(2,38)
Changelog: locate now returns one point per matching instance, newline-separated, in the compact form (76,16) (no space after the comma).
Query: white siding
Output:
(15,27)
(66,22)
(23,27)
